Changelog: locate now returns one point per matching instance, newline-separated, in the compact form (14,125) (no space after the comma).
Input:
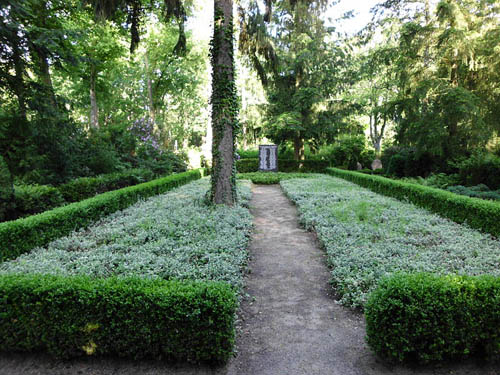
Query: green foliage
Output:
(482,215)
(347,151)
(368,236)
(479,191)
(129,317)
(6,191)
(248,154)
(86,187)
(436,180)
(33,199)
(284,165)
(480,168)
(22,235)
(270,178)
(425,317)
(407,162)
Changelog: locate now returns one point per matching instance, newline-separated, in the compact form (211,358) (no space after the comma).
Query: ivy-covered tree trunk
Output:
(224,105)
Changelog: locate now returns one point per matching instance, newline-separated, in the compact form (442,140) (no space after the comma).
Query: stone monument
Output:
(376,164)
(268,158)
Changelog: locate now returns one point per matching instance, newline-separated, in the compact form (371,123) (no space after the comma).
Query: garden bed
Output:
(172,238)
(368,236)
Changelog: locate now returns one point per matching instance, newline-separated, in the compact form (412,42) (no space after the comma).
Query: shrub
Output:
(347,152)
(33,199)
(481,168)
(479,214)
(20,236)
(6,191)
(248,154)
(248,165)
(270,178)
(480,191)
(406,162)
(68,317)
(86,187)
(426,317)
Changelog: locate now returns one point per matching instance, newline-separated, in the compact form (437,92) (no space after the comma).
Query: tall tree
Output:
(224,105)
(299,69)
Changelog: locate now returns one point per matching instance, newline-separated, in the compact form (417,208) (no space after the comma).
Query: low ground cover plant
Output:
(270,178)
(476,213)
(22,235)
(158,279)
(170,236)
(368,236)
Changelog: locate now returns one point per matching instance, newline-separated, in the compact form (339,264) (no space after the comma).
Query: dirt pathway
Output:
(289,324)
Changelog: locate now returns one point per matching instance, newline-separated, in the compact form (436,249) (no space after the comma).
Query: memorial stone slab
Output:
(268,158)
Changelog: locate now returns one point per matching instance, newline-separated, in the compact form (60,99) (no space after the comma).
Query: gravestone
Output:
(376,164)
(268,158)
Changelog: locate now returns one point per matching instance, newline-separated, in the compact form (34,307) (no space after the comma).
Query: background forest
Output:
(87,91)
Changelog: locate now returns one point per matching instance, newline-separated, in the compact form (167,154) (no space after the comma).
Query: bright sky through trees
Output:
(200,23)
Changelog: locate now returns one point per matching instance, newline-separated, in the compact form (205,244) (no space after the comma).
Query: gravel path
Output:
(289,323)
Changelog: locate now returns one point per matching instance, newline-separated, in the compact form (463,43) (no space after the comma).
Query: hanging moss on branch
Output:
(224,105)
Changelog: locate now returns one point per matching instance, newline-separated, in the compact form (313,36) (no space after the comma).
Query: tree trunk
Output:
(19,86)
(298,148)
(94,109)
(44,74)
(151,104)
(224,105)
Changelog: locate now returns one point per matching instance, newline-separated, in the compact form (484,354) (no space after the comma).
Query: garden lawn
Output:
(368,236)
(170,236)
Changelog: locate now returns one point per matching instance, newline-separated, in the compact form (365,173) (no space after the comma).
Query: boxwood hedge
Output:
(73,316)
(86,187)
(477,213)
(20,236)
(284,165)
(424,317)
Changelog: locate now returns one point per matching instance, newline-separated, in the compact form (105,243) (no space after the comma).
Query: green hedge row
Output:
(22,235)
(74,316)
(284,165)
(86,187)
(425,317)
(271,178)
(477,213)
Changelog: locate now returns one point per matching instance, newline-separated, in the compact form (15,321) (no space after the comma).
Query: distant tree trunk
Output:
(94,109)
(19,82)
(43,72)
(151,104)
(298,148)
(224,105)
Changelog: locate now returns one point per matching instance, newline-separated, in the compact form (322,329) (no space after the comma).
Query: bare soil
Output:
(289,323)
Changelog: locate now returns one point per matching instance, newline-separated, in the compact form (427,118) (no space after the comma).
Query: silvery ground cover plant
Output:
(170,236)
(368,236)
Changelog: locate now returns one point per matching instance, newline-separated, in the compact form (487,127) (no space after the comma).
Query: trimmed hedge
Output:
(270,178)
(425,317)
(477,213)
(86,187)
(130,317)
(22,235)
(284,165)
